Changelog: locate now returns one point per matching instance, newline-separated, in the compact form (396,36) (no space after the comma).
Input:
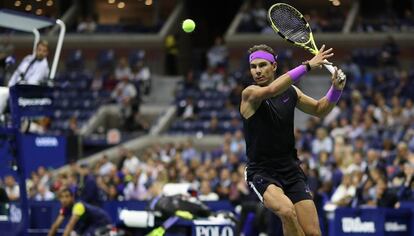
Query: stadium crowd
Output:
(361,154)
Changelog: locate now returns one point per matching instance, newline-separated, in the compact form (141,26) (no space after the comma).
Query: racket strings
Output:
(290,24)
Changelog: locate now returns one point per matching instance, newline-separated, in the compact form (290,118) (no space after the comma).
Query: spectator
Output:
(369,128)
(87,188)
(188,152)
(4,200)
(73,126)
(190,83)
(238,189)
(87,25)
(187,109)
(109,82)
(217,55)
(342,129)
(322,142)
(113,194)
(122,155)
(238,144)
(7,59)
(141,76)
(213,127)
(122,70)
(406,186)
(105,166)
(171,55)
(390,52)
(358,163)
(97,80)
(403,154)
(40,126)
(12,188)
(34,70)
(205,192)
(125,95)
(209,79)
(227,84)
(351,69)
(343,194)
(44,194)
(44,176)
(384,196)
(324,168)
(253,17)
(131,163)
(223,188)
(373,160)
(136,190)
(235,94)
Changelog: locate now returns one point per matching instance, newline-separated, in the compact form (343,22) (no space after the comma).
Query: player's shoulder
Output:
(249,89)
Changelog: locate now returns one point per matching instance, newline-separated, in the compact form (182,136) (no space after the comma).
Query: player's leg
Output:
(308,217)
(275,200)
(301,196)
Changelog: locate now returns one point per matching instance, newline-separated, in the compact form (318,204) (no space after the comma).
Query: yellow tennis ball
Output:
(188,26)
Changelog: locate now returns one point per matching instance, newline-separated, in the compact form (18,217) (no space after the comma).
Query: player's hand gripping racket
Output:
(290,24)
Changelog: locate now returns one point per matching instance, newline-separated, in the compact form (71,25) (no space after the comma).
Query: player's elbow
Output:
(321,115)
(320,112)
(274,90)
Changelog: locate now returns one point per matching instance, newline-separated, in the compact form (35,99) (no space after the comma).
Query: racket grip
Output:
(330,68)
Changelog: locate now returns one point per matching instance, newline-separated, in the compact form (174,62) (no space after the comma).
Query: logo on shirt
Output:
(308,191)
(285,99)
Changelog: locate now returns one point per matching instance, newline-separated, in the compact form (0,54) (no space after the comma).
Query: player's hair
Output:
(64,190)
(261,47)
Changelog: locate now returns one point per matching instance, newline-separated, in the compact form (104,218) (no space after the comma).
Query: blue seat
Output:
(109,28)
(75,60)
(135,56)
(206,114)
(106,59)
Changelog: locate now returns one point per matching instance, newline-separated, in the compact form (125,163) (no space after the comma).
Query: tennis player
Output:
(84,218)
(267,108)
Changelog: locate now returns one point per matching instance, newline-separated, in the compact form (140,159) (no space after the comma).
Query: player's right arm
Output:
(253,95)
(56,225)
(78,210)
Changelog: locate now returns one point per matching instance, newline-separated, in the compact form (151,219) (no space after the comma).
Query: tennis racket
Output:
(292,26)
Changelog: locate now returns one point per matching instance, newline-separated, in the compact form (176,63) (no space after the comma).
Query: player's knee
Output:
(284,209)
(286,212)
(312,229)
(313,232)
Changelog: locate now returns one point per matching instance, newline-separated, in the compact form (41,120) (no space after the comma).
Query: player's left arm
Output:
(323,106)
(77,211)
(71,224)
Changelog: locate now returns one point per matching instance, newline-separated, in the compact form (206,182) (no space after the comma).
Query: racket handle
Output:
(332,70)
